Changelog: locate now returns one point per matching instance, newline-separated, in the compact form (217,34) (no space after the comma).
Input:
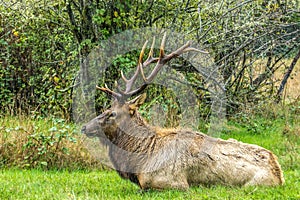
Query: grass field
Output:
(278,132)
(37,184)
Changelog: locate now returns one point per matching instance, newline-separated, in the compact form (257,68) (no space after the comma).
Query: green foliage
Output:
(163,110)
(46,144)
(37,60)
(41,148)
(42,46)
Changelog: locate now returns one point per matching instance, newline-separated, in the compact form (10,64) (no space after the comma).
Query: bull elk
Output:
(160,158)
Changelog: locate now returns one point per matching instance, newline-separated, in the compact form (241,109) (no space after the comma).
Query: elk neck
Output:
(135,134)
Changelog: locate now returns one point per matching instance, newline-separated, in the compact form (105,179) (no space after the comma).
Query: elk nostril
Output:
(83,129)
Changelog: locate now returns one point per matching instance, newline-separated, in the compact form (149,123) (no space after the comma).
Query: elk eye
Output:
(113,114)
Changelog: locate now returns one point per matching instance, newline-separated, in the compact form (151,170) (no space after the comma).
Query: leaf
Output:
(3,42)
(116,14)
(56,79)
(44,163)
(53,129)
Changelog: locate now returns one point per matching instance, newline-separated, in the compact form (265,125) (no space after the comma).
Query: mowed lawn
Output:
(37,184)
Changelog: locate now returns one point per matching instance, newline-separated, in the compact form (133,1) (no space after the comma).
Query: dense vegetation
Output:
(43,45)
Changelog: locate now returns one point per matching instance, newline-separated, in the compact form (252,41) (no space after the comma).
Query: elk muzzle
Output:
(92,128)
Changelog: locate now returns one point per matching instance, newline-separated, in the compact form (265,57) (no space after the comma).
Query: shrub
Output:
(43,144)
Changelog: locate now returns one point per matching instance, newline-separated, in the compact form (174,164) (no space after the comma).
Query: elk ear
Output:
(137,101)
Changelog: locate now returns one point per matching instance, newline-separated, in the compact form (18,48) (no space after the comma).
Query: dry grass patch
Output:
(45,143)
(292,88)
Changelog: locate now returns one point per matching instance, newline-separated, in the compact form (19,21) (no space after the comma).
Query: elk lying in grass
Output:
(158,158)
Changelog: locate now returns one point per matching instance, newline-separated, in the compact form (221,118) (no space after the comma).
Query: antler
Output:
(160,62)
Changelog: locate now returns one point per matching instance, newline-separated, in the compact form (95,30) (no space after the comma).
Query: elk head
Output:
(110,120)
(122,111)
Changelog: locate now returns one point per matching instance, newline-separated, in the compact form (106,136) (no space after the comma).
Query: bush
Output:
(43,143)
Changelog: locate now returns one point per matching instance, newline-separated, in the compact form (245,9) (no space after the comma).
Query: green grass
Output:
(37,184)
(279,134)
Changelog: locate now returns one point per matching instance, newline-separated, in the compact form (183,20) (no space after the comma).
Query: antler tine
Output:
(150,56)
(130,82)
(142,53)
(194,49)
(162,46)
(149,60)
(109,92)
(142,72)
(123,77)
